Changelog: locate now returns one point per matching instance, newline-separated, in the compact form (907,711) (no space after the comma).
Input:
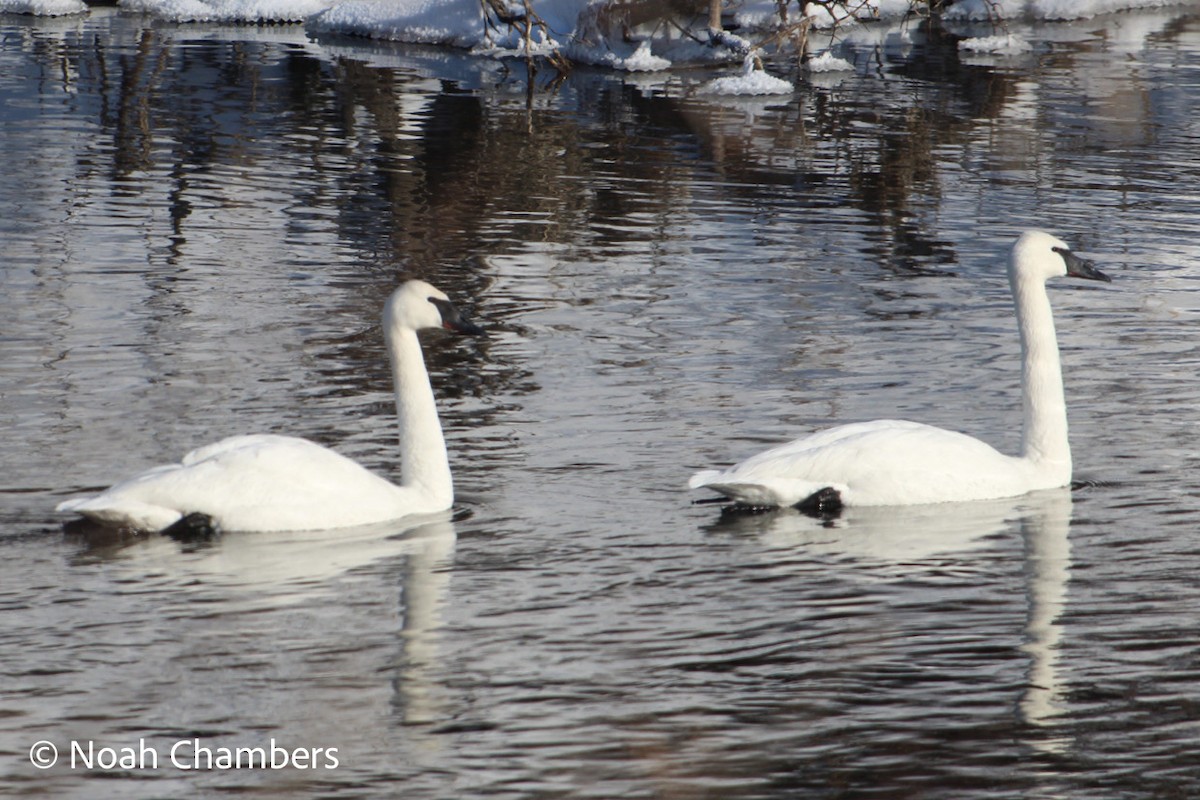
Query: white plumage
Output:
(266,482)
(894,462)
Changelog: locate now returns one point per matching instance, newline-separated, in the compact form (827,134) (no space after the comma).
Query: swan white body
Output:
(894,462)
(275,483)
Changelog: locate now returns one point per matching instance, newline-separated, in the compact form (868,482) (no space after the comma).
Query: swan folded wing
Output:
(791,473)
(885,462)
(250,483)
(915,463)
(260,483)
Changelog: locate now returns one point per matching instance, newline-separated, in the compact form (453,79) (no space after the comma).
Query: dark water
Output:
(200,225)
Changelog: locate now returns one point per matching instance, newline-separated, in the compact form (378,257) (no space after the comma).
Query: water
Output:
(200,225)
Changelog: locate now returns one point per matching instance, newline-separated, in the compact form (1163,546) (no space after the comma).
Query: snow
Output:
(986,10)
(828,62)
(753,81)
(1003,45)
(43,8)
(227,10)
(642,60)
(756,83)
(593,31)
(839,14)
(459,23)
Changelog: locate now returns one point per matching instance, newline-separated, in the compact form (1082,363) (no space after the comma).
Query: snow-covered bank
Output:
(457,23)
(1046,10)
(629,35)
(235,11)
(43,8)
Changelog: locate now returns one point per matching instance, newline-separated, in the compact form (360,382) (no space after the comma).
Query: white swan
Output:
(892,462)
(277,483)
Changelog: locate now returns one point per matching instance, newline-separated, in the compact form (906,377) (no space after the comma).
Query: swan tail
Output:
(134,515)
(70,506)
(702,479)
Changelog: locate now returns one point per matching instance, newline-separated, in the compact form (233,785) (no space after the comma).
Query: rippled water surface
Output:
(200,226)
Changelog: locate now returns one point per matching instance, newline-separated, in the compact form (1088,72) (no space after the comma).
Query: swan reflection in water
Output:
(260,584)
(1047,571)
(892,543)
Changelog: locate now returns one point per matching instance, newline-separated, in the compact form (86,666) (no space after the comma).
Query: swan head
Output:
(416,305)
(1039,255)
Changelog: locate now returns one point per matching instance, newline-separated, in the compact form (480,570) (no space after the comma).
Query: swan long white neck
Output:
(422,449)
(1045,442)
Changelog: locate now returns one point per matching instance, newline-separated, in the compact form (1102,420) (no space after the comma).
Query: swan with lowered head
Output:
(893,462)
(266,482)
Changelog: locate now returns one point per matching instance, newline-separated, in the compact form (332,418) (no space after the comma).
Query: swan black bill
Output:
(454,321)
(1080,267)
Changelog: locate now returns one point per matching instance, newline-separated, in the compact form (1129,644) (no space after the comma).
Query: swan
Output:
(898,463)
(266,482)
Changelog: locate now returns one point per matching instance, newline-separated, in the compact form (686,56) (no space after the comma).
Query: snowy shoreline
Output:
(627,34)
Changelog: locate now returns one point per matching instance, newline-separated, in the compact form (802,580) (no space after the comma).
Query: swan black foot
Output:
(194,527)
(825,504)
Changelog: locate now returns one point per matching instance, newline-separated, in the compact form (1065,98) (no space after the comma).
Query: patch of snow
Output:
(753,80)
(43,8)
(643,60)
(732,41)
(984,10)
(850,11)
(756,82)
(1003,45)
(227,10)
(640,60)
(828,62)
(458,23)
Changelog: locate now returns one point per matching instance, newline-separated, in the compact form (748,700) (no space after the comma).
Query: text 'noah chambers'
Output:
(185,754)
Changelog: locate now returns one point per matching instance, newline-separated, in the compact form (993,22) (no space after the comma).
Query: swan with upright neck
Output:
(267,482)
(894,462)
